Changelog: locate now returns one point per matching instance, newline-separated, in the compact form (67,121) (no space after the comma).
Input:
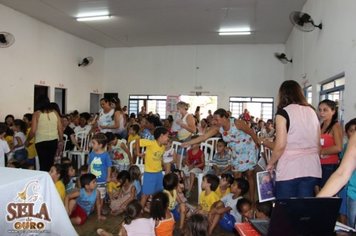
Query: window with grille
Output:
(153,103)
(259,107)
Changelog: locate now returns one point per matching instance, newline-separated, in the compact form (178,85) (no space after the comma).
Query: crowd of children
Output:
(156,200)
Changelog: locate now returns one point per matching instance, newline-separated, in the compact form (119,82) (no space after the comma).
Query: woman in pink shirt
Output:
(296,150)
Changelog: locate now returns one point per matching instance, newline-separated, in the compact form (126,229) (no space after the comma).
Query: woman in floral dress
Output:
(241,140)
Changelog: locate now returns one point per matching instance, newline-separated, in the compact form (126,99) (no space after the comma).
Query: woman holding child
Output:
(240,138)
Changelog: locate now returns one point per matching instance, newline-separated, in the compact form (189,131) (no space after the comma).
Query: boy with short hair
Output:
(4,146)
(225,209)
(100,163)
(226,181)
(208,196)
(152,177)
(222,158)
(80,203)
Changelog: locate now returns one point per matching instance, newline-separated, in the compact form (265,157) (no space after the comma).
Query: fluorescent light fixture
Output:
(93,18)
(235,31)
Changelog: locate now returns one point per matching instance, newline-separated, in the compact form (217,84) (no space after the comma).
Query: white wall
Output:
(46,56)
(223,70)
(323,54)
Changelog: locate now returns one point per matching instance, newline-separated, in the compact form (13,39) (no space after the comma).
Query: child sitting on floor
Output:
(226,181)
(69,179)
(56,172)
(135,176)
(80,203)
(225,212)
(176,206)
(244,207)
(160,212)
(208,196)
(114,185)
(134,224)
(126,193)
(197,225)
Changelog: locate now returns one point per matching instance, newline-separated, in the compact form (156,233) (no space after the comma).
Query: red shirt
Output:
(328,141)
(195,158)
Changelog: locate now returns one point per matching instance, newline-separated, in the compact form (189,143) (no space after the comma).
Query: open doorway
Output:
(205,102)
(60,99)
(39,90)
(94,103)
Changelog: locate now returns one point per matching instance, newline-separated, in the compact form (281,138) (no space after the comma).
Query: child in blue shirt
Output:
(80,203)
(350,189)
(100,163)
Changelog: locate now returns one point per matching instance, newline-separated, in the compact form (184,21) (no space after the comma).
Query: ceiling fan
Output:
(303,21)
(86,61)
(283,58)
(6,39)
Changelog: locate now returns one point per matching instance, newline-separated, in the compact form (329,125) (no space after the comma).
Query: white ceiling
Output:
(166,22)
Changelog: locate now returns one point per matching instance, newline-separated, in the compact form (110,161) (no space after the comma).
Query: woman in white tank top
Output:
(186,123)
(111,120)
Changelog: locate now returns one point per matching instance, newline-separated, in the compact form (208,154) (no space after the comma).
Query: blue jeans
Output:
(299,187)
(351,212)
(326,171)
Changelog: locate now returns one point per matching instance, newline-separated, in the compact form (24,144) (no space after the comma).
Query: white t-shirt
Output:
(4,148)
(86,129)
(230,202)
(168,156)
(22,137)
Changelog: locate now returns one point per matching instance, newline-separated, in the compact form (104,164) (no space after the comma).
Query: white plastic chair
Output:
(176,145)
(213,141)
(208,156)
(84,139)
(65,140)
(139,160)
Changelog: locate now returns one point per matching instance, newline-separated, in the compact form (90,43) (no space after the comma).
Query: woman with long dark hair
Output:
(297,144)
(46,127)
(330,139)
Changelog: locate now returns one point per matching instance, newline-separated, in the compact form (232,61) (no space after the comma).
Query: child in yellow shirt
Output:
(224,186)
(176,205)
(152,176)
(208,196)
(133,133)
(56,173)
(31,149)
